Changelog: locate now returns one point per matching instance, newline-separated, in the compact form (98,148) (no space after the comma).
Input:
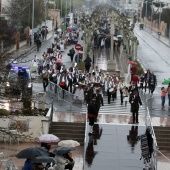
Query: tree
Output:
(7,39)
(20,13)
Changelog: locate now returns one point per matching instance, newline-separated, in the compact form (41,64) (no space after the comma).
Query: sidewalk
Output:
(164,40)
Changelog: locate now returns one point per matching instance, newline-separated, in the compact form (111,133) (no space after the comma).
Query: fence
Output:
(72,102)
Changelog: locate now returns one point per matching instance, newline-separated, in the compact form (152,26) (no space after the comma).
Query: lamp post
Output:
(160,11)
(32,22)
(45,5)
(111,63)
(146,12)
(61,8)
(152,17)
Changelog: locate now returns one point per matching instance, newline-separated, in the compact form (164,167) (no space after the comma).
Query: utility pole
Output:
(160,11)
(152,17)
(45,18)
(32,22)
(146,12)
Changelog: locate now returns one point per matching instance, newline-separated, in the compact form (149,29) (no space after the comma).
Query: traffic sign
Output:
(78,47)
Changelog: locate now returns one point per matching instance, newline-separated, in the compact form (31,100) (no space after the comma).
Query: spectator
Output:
(28,165)
(163,94)
(133,70)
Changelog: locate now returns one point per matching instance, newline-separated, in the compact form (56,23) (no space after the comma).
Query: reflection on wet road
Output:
(114,147)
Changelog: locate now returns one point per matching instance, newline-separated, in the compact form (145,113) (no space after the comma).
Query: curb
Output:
(155,36)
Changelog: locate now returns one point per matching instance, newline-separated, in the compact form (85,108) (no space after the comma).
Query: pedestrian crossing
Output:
(115,108)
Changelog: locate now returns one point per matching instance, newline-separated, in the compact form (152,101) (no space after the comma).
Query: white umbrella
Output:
(48,138)
(119,36)
(81,52)
(69,143)
(115,38)
(59,30)
(54,75)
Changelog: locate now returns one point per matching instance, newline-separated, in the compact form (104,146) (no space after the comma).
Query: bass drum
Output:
(111,90)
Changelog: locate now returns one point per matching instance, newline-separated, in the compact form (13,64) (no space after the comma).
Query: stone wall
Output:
(155,26)
(27,125)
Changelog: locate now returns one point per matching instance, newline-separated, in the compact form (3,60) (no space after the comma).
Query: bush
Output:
(81,65)
(139,68)
(4,112)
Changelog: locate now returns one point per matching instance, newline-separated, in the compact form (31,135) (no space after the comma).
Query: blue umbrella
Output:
(44,159)
(63,150)
(32,153)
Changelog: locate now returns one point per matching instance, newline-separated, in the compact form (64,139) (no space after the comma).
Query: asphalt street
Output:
(154,55)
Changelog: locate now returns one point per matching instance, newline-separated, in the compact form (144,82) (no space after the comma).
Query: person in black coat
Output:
(147,76)
(87,63)
(92,112)
(133,88)
(135,100)
(71,54)
(152,83)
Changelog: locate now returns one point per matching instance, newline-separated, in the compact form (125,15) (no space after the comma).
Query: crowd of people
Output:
(63,161)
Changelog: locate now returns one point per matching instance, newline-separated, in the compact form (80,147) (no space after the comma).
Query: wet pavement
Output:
(114,147)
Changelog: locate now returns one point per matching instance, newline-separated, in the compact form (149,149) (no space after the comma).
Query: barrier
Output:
(72,102)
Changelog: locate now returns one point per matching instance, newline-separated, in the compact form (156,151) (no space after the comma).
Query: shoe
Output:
(137,122)
(108,102)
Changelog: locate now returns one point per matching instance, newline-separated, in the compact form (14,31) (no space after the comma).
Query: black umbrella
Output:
(44,159)
(32,153)
(63,150)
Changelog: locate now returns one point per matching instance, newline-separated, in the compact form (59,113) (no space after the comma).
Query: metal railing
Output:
(85,138)
(72,102)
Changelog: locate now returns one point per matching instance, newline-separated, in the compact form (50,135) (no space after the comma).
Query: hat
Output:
(107,73)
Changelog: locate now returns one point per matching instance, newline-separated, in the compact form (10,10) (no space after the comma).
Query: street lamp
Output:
(146,12)
(160,11)
(32,22)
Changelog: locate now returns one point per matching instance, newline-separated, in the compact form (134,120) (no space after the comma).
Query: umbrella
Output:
(59,30)
(81,52)
(48,138)
(132,63)
(119,36)
(44,26)
(58,61)
(44,159)
(32,153)
(68,143)
(63,150)
(166,81)
(115,38)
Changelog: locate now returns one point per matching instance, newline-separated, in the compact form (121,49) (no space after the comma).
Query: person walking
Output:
(45,79)
(152,83)
(135,100)
(168,92)
(87,63)
(147,75)
(141,79)
(121,86)
(71,54)
(92,112)
(126,95)
(163,94)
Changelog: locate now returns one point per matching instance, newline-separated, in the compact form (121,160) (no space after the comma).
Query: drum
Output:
(111,90)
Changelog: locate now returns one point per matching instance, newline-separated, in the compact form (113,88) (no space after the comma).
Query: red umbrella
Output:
(59,60)
(132,63)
